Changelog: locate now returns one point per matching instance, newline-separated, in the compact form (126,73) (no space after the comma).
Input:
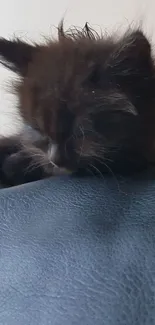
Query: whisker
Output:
(35,163)
(34,155)
(90,171)
(111,172)
(83,137)
(100,159)
(53,164)
(31,167)
(97,170)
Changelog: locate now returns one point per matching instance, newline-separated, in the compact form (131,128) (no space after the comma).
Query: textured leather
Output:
(78,252)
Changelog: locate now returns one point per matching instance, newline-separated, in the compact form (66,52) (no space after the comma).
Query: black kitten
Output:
(90,100)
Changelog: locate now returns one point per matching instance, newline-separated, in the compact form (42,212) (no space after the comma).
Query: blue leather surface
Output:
(78,252)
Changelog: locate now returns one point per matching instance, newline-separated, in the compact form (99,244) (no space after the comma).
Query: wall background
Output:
(32,18)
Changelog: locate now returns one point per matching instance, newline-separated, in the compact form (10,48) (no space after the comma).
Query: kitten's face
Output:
(81,94)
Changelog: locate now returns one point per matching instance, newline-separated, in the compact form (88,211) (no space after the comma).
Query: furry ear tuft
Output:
(132,67)
(16,55)
(136,43)
(133,53)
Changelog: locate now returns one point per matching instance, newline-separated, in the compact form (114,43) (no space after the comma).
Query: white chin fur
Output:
(60,171)
(56,171)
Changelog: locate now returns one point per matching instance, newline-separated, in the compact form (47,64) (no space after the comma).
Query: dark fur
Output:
(93,96)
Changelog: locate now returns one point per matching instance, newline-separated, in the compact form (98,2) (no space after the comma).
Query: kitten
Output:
(88,103)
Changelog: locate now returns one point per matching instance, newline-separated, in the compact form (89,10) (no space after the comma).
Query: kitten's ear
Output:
(132,56)
(132,68)
(16,55)
(135,43)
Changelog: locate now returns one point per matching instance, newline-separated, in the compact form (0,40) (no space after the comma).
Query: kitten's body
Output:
(91,101)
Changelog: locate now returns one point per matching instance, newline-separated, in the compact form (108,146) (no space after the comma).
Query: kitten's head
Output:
(83,93)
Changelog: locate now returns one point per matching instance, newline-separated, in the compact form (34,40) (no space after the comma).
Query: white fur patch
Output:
(52,153)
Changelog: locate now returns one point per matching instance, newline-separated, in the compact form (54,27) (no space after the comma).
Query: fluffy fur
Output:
(88,102)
